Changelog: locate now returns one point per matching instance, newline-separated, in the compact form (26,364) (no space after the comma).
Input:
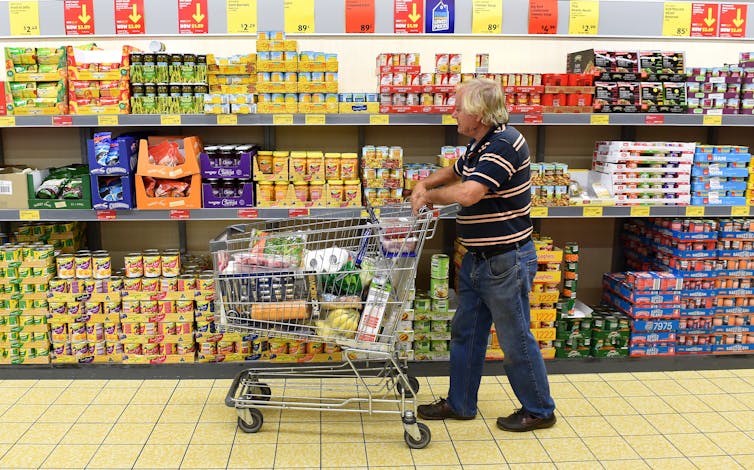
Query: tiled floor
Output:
(632,420)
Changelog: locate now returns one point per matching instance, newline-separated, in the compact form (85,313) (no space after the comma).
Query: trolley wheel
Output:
(426,436)
(256,421)
(413,384)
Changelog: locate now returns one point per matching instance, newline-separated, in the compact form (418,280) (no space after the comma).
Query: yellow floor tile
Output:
(125,383)
(302,455)
(694,445)
(632,425)
(684,374)
(501,435)
(171,433)
(252,456)
(612,406)
(119,396)
(40,396)
(224,383)
(744,372)
(267,435)
(77,396)
(710,422)
(743,420)
(697,386)
(91,434)
(624,464)
(479,453)
(679,463)
(21,383)
(734,385)
(23,413)
(631,389)
(70,456)
(390,453)
(473,430)
(222,414)
(555,378)
(747,461)
(382,431)
(617,376)
(11,432)
(719,461)
(293,432)
(214,433)
(574,407)
(62,413)
(170,383)
(644,376)
(342,432)
(437,453)
(532,466)
(181,414)
(568,449)
(294,416)
(591,426)
(650,405)
(686,403)
(561,429)
(666,387)
(610,448)
(652,447)
(101,414)
(584,378)
(494,408)
(89,383)
(596,389)
(721,402)
(191,383)
(584,465)
(54,383)
(189,396)
(26,455)
(206,456)
(152,396)
(120,456)
(141,414)
(523,451)
(732,443)
(10,395)
(713,374)
(564,390)
(348,454)
(44,433)
(161,456)
(671,423)
(216,396)
(128,433)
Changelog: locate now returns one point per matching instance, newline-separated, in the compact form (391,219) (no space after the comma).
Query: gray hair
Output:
(485,99)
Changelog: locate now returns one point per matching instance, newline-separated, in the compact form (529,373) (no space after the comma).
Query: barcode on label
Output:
(6,188)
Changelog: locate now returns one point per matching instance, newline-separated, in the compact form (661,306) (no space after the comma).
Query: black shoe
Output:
(522,421)
(439,410)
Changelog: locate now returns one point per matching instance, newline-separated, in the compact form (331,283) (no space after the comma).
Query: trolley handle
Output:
(220,242)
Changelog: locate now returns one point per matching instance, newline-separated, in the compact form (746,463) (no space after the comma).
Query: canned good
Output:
(111,308)
(148,307)
(166,306)
(171,264)
(183,328)
(439,288)
(186,282)
(134,265)
(168,284)
(150,349)
(440,305)
(184,307)
(83,266)
(114,284)
(130,307)
(132,284)
(440,266)
(206,282)
(225,347)
(101,266)
(150,284)
(152,265)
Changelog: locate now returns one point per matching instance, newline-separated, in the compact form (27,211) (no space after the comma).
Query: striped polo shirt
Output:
(500,161)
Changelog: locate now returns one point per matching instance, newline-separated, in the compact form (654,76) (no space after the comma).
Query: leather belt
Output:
(489,252)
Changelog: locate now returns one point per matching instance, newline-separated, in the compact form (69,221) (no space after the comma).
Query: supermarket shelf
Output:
(142,120)
(54,215)
(228,370)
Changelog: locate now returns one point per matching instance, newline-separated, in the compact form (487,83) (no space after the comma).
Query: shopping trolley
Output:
(338,283)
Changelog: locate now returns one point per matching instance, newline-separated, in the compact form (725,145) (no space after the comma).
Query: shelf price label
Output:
(584,17)
(242,16)
(108,120)
(28,215)
(360,16)
(299,16)
(24,18)
(282,119)
(533,119)
(62,121)
(543,16)
(640,211)
(379,119)
(129,17)
(733,20)
(654,119)
(170,119)
(192,17)
(599,119)
(539,212)
(180,214)
(694,211)
(676,19)
(7,121)
(487,17)
(712,120)
(298,212)
(106,215)
(314,120)
(448,120)
(79,17)
(227,119)
(248,213)
(739,211)
(593,211)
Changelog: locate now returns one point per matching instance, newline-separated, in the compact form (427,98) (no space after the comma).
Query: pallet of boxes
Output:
(432,315)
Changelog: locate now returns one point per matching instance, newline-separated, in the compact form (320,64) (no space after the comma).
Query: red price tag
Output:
(180,214)
(192,16)
(129,17)
(298,212)
(105,215)
(533,119)
(248,213)
(79,17)
(360,16)
(62,121)
(657,119)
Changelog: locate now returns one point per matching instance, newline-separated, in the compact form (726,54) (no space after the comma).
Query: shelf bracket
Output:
(182,237)
(539,154)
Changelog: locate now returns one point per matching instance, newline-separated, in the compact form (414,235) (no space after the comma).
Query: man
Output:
(492,184)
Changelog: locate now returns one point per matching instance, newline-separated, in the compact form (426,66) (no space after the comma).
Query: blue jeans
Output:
(497,289)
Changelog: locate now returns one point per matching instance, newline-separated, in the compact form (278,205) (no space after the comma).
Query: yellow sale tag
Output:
(108,120)
(712,120)
(314,120)
(7,121)
(227,119)
(299,16)
(170,120)
(640,211)
(739,211)
(593,211)
(242,16)
(282,119)
(539,212)
(379,119)
(448,120)
(28,215)
(584,17)
(486,16)
(24,18)
(599,119)
(676,20)
(694,211)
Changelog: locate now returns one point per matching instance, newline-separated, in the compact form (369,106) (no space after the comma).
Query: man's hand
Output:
(419,197)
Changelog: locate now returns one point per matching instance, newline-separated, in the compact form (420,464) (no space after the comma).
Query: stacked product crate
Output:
(36,81)
(232,84)
(405,89)
(98,81)
(550,184)
(382,174)
(603,333)
(720,175)
(112,162)
(226,175)
(714,90)
(654,173)
(65,237)
(168,83)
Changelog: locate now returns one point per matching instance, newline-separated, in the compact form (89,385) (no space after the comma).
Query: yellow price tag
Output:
(108,120)
(227,119)
(314,120)
(28,215)
(584,17)
(599,119)
(7,121)
(640,211)
(539,212)
(24,18)
(712,120)
(739,211)
(282,119)
(676,20)
(486,16)
(299,16)
(448,120)
(242,16)
(593,211)
(694,211)
(379,119)
(170,120)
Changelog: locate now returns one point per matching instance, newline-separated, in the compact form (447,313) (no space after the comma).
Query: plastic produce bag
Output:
(166,153)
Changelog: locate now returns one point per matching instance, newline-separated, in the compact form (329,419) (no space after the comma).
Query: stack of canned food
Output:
(168,83)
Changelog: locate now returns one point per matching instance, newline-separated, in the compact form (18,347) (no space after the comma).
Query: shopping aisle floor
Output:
(633,420)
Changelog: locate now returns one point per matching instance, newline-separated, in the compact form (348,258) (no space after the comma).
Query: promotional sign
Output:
(242,16)
(192,16)
(543,16)
(299,16)
(360,16)
(487,17)
(79,17)
(407,16)
(129,17)
(584,17)
(440,16)
(24,18)
(676,19)
(704,21)
(732,20)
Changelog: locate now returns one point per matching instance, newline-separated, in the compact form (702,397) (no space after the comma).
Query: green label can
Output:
(440,266)
(440,305)
(438,288)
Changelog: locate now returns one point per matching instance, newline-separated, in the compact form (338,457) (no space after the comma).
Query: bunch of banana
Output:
(340,322)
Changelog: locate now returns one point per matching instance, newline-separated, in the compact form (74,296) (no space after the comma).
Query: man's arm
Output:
(443,176)
(466,194)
